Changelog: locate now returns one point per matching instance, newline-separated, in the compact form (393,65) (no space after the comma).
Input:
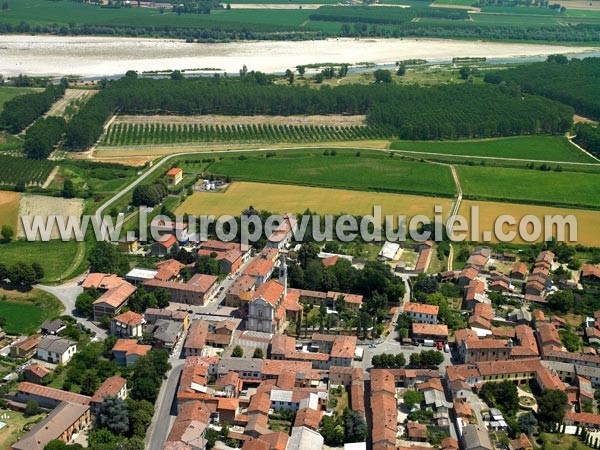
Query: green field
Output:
(8,93)
(25,312)
(541,148)
(535,186)
(44,12)
(370,171)
(54,256)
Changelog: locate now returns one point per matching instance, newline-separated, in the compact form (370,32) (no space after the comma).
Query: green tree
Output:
(90,382)
(412,398)
(112,414)
(528,422)
(68,189)
(551,407)
(32,408)
(84,304)
(7,233)
(382,76)
(258,353)
(237,352)
(105,257)
(100,437)
(355,428)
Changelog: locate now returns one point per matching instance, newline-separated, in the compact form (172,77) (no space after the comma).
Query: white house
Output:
(56,350)
(422,313)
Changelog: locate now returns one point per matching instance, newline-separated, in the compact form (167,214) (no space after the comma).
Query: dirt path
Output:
(60,106)
(337,120)
(50,177)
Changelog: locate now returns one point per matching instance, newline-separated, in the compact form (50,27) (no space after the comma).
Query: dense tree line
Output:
(22,110)
(468,111)
(42,137)
(426,359)
(212,31)
(22,273)
(388,361)
(149,194)
(588,137)
(573,82)
(414,112)
(388,15)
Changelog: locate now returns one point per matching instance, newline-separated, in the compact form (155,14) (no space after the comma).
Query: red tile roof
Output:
(131,347)
(110,388)
(116,296)
(51,393)
(129,318)
(422,308)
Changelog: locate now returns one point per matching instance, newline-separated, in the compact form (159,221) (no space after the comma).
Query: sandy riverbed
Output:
(99,56)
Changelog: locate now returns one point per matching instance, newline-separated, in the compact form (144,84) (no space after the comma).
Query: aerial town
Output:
(299,225)
(212,347)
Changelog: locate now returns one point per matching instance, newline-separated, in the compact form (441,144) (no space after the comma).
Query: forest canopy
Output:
(411,112)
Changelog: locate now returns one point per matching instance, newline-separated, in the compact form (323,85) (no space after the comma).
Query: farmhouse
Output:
(174,176)
(56,350)
(590,274)
(35,373)
(48,397)
(112,387)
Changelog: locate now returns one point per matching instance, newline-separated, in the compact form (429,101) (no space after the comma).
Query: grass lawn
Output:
(555,188)
(296,199)
(563,442)
(14,427)
(588,222)
(24,312)
(7,93)
(542,148)
(54,256)
(373,171)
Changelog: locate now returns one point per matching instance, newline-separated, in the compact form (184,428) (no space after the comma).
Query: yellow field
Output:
(161,150)
(281,199)
(588,222)
(9,209)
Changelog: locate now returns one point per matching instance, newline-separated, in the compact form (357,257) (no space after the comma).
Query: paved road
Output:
(166,408)
(67,293)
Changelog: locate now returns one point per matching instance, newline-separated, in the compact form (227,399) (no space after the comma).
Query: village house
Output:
(422,313)
(164,228)
(152,315)
(56,350)
(166,246)
(112,301)
(114,386)
(174,176)
(25,348)
(197,291)
(590,274)
(48,397)
(34,373)
(63,423)
(127,351)
(127,325)
(52,327)
(425,331)
(283,235)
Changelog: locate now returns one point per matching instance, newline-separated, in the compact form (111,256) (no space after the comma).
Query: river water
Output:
(92,57)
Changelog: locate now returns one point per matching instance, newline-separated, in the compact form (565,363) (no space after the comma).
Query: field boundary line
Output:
(499,158)
(570,138)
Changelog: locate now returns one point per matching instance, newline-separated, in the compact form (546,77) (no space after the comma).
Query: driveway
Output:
(67,294)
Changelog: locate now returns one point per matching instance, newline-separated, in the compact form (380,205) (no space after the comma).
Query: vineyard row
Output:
(147,134)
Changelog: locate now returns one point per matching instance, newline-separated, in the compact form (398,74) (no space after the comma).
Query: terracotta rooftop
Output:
(116,296)
(422,308)
(129,318)
(429,329)
(51,393)
(110,388)
(131,347)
